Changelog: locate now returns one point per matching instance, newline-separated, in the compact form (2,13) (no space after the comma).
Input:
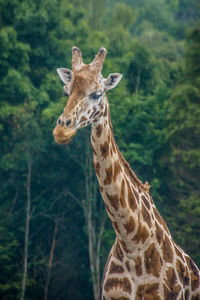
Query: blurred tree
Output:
(141,71)
(122,15)
(182,133)
(96,10)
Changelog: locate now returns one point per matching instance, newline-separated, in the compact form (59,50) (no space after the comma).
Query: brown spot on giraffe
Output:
(101,189)
(101,104)
(141,235)
(148,292)
(111,152)
(171,294)
(159,233)
(151,199)
(127,265)
(182,272)
(152,261)
(117,252)
(167,250)
(131,198)
(97,168)
(146,215)
(105,112)
(186,277)
(94,152)
(124,246)
(160,219)
(108,177)
(117,170)
(99,130)
(157,215)
(178,253)
(93,113)
(113,144)
(116,227)
(194,273)
(83,118)
(138,266)
(121,283)
(106,267)
(136,195)
(108,210)
(114,201)
(114,268)
(170,278)
(104,148)
(122,194)
(146,202)
(130,225)
(96,114)
(109,137)
(194,281)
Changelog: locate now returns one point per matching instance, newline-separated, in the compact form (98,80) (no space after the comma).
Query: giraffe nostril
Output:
(68,122)
(59,122)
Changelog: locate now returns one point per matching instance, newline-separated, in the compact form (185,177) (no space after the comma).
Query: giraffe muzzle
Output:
(63,135)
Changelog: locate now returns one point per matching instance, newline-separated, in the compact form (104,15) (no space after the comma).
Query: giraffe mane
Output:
(135,180)
(144,186)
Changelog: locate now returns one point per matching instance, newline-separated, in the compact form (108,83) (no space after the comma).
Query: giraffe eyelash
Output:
(96,95)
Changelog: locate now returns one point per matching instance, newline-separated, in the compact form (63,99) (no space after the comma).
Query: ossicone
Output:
(76,58)
(97,63)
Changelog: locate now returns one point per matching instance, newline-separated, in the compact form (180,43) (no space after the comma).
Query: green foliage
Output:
(122,15)
(182,133)
(141,71)
(155,115)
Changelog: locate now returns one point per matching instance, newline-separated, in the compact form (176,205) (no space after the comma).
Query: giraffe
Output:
(144,262)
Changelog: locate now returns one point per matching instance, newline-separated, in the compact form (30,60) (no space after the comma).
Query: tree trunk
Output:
(53,245)
(98,276)
(137,85)
(95,232)
(95,218)
(29,165)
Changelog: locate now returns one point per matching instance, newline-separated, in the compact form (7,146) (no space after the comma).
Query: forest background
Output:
(54,233)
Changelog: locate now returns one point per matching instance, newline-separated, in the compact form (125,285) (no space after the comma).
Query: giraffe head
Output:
(86,89)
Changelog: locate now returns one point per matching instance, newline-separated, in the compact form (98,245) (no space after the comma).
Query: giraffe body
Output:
(144,262)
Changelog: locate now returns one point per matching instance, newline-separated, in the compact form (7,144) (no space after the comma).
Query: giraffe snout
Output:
(63,135)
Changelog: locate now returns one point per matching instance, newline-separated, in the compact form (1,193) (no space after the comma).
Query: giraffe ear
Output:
(65,75)
(112,80)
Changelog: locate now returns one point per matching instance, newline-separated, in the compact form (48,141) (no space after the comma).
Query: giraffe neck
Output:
(127,202)
(144,258)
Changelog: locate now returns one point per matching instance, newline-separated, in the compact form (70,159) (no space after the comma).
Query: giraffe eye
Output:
(95,95)
(59,122)
(68,122)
